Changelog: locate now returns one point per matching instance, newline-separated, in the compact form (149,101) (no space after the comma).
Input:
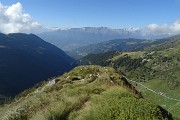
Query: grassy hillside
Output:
(157,68)
(85,93)
(165,43)
(168,99)
(113,45)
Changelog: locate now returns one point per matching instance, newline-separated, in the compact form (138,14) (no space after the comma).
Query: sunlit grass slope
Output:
(85,93)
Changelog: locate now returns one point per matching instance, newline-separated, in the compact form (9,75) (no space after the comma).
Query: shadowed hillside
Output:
(26,60)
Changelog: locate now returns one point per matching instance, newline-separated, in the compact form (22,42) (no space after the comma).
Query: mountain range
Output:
(70,39)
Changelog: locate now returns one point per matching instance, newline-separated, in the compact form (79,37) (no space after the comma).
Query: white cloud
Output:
(13,19)
(176,26)
(173,28)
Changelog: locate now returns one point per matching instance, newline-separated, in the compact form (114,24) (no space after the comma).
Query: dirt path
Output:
(159,93)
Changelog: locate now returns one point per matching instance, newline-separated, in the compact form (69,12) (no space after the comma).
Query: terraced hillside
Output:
(85,93)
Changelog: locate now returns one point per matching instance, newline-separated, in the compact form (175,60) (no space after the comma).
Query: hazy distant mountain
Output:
(130,44)
(26,60)
(69,39)
(124,45)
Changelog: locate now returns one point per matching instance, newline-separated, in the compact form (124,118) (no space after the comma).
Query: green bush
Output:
(116,105)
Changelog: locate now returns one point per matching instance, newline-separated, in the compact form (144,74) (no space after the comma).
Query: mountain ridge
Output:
(86,92)
(123,45)
(73,38)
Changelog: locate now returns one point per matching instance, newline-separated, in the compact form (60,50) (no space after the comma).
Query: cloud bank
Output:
(171,29)
(13,19)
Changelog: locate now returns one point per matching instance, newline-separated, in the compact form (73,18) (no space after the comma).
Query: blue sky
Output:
(107,13)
